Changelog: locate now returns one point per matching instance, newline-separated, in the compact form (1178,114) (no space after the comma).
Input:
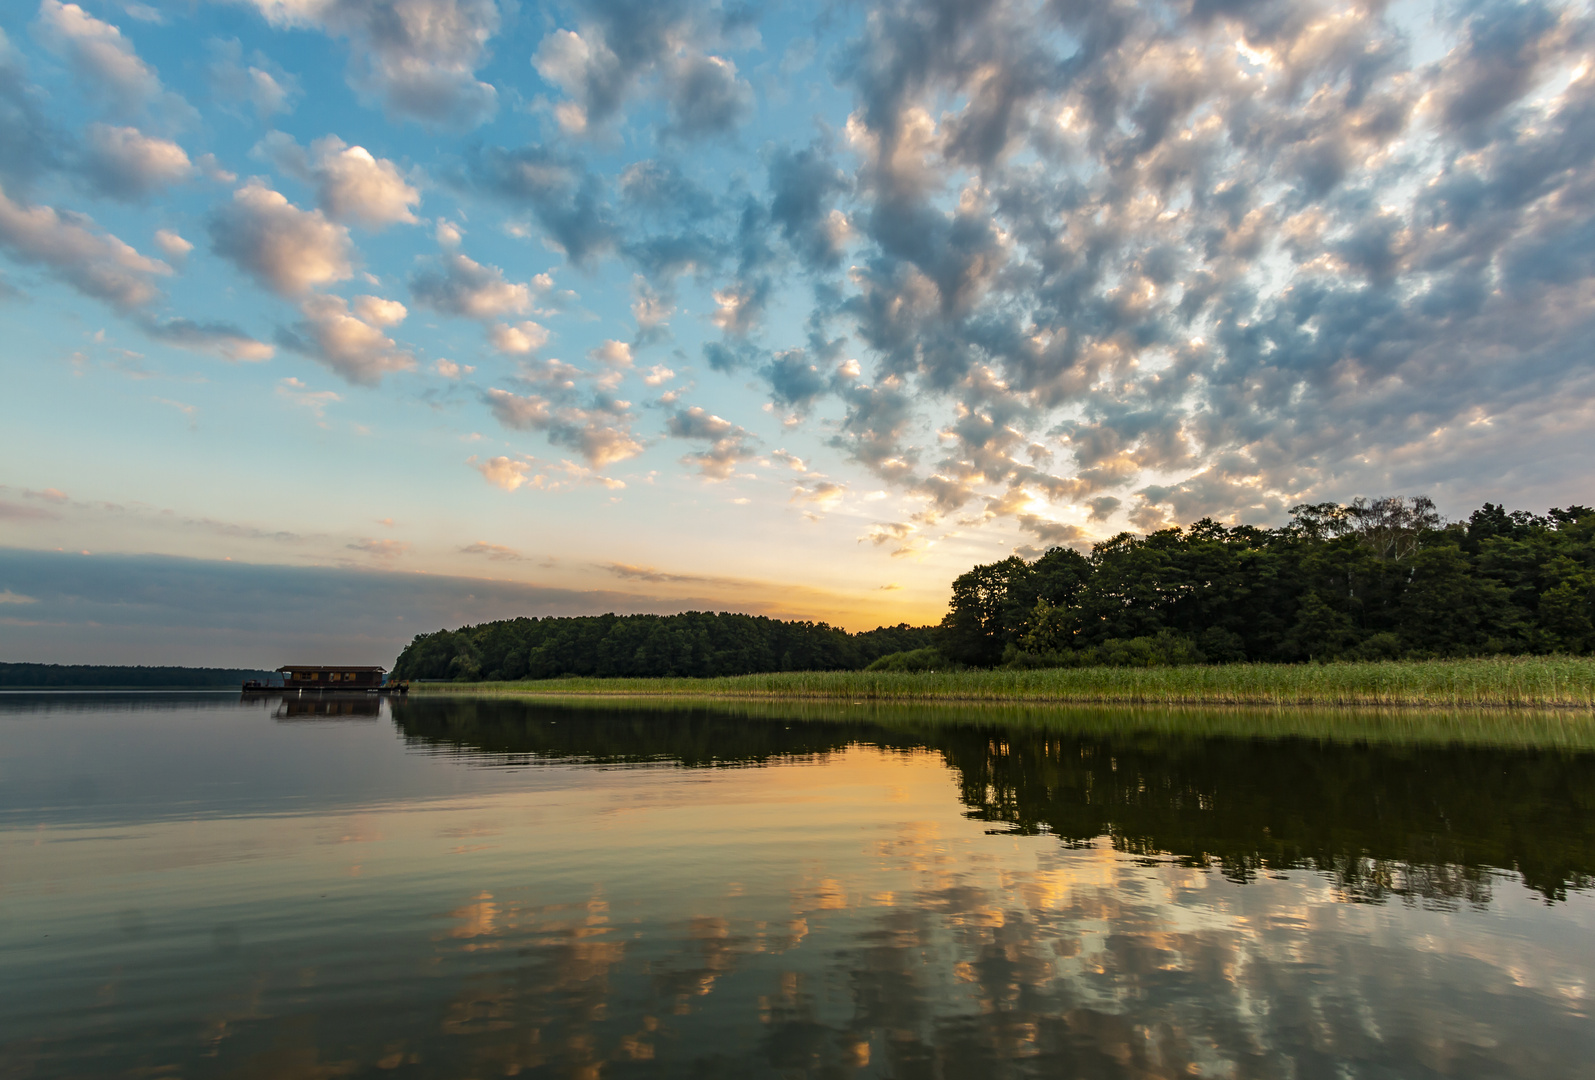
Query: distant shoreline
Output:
(1507,682)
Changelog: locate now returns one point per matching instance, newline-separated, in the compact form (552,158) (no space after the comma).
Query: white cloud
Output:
(517,411)
(346,343)
(495,552)
(657,375)
(300,394)
(612,353)
(577,65)
(96,51)
(381,550)
(173,246)
(518,339)
(651,310)
(94,262)
(737,309)
(125,163)
(352,185)
(287,249)
(450,370)
(379,312)
(503,472)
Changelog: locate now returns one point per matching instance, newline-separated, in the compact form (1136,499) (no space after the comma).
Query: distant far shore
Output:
(1506,682)
(123,677)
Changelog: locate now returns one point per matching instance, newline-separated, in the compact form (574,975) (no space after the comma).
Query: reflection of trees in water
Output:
(1417,821)
(1423,821)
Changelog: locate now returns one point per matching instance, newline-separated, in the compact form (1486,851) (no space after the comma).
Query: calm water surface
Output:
(194,886)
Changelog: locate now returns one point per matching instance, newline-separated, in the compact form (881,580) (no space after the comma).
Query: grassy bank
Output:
(1561,729)
(1535,682)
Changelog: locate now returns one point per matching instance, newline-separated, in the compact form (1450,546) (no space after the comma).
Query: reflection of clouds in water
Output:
(551,1009)
(921,959)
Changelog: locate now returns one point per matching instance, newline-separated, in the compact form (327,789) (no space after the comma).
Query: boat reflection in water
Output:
(292,706)
(616,889)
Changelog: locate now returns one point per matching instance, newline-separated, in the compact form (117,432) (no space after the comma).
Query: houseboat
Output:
(324,679)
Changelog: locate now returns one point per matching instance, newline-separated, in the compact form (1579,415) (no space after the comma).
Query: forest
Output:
(1369,580)
(693,643)
(1379,579)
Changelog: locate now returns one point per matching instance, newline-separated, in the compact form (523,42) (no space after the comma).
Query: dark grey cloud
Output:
(30,144)
(729,356)
(662,188)
(155,609)
(706,97)
(620,47)
(455,284)
(257,80)
(794,382)
(804,186)
(568,200)
(1506,45)
(599,427)
(729,444)
(219,339)
(418,58)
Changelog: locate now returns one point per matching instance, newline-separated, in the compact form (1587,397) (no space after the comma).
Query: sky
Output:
(329,322)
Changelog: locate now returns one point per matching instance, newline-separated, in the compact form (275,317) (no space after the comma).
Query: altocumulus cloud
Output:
(1202,259)
(1056,267)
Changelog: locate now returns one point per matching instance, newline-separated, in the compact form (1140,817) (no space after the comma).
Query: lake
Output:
(192,885)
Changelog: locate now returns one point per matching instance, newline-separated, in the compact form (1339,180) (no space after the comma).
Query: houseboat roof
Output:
(329,667)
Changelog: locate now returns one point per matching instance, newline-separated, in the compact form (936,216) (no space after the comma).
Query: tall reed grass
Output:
(1553,728)
(1539,681)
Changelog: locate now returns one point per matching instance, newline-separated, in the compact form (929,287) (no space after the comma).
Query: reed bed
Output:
(1504,682)
(1562,729)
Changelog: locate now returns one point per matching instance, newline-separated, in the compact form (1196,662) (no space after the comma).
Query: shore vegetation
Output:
(1542,681)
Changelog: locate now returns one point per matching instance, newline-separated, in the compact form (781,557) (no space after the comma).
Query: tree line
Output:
(693,643)
(112,677)
(1372,580)
(1369,580)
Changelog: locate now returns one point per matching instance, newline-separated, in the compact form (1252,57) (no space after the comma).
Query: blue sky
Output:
(488,308)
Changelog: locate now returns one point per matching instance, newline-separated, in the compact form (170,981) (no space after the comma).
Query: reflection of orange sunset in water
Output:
(841,912)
